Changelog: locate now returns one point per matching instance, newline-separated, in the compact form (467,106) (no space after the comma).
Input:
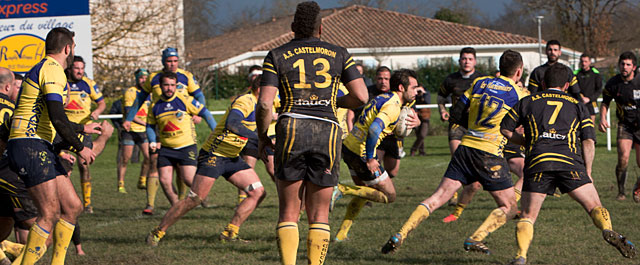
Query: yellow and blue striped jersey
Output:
(386,107)
(82,93)
(488,100)
(276,105)
(223,142)
(172,120)
(186,84)
(45,81)
(127,101)
(341,114)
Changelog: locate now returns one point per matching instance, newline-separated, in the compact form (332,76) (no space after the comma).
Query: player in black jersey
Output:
(590,82)
(624,88)
(553,51)
(554,124)
(307,72)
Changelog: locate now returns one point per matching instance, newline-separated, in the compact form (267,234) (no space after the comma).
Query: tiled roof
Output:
(353,27)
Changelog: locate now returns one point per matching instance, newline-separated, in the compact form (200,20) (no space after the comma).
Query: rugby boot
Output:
(335,196)
(148,210)
(626,248)
(636,192)
(476,246)
(88,209)
(450,218)
(142,183)
(226,239)
(518,261)
(154,237)
(393,244)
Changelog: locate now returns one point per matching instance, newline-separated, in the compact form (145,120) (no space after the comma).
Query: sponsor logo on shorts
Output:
(192,155)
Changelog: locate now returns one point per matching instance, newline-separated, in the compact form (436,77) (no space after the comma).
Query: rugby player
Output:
(220,156)
(171,115)
(78,109)
(378,120)
(590,82)
(38,117)
(306,71)
(553,50)
(624,88)
(453,86)
(554,122)
(479,156)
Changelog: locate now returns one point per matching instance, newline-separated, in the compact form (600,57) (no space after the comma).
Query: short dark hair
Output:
(78,59)
(255,67)
(18,76)
(382,69)
(555,76)
(585,55)
(470,50)
(168,74)
(510,61)
(57,39)
(401,77)
(628,56)
(255,84)
(553,42)
(306,20)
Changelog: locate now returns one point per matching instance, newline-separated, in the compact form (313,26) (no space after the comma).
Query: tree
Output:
(447,14)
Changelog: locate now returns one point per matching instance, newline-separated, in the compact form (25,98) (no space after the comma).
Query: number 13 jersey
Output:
(307,73)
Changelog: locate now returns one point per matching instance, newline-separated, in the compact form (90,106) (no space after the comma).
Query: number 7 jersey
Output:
(488,100)
(307,73)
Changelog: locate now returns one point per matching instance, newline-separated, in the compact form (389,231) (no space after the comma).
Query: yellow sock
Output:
(459,209)
(495,220)
(288,239)
(363,192)
(524,235)
(241,198)
(35,247)
(231,231)
(318,243)
(143,180)
(353,209)
(183,189)
(518,194)
(601,219)
(62,234)
(455,196)
(11,247)
(152,189)
(86,193)
(419,214)
(120,183)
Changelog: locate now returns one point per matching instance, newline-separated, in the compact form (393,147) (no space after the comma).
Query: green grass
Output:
(564,234)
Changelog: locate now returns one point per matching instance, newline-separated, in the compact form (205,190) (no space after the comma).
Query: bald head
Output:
(6,83)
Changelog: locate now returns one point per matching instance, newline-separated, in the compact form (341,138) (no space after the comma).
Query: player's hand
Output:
(263,144)
(585,100)
(107,128)
(604,125)
(520,130)
(126,125)
(68,157)
(444,116)
(412,119)
(374,166)
(196,119)
(87,155)
(95,116)
(154,146)
(92,128)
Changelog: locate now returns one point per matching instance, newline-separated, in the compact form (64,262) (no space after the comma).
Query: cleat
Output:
(88,209)
(148,210)
(393,244)
(636,193)
(227,239)
(142,183)
(450,218)
(205,203)
(154,237)
(122,190)
(335,196)
(518,215)
(476,246)
(626,248)
(621,197)
(518,261)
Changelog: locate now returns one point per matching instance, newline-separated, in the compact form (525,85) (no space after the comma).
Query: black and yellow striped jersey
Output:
(456,84)
(554,126)
(627,97)
(537,77)
(307,73)
(6,112)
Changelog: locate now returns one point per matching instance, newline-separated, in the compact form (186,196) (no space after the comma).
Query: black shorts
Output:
(512,151)
(133,138)
(34,160)
(593,108)
(547,182)
(214,166)
(20,208)
(629,133)
(456,132)
(307,149)
(185,156)
(251,148)
(391,146)
(357,165)
(469,165)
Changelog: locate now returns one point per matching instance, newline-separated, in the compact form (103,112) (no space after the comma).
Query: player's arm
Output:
(604,108)
(534,83)
(151,135)
(268,90)
(574,87)
(199,96)
(510,122)
(442,100)
(461,107)
(588,152)
(596,94)
(358,94)
(206,114)
(134,109)
(587,133)
(235,125)
(96,96)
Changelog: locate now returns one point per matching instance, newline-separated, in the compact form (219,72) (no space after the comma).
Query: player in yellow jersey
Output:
(38,117)
(170,116)
(479,156)
(220,156)
(137,136)
(83,91)
(378,120)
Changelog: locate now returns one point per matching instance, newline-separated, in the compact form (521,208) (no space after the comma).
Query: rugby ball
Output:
(402,129)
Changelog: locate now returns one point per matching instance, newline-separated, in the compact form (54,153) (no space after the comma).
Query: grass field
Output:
(564,234)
